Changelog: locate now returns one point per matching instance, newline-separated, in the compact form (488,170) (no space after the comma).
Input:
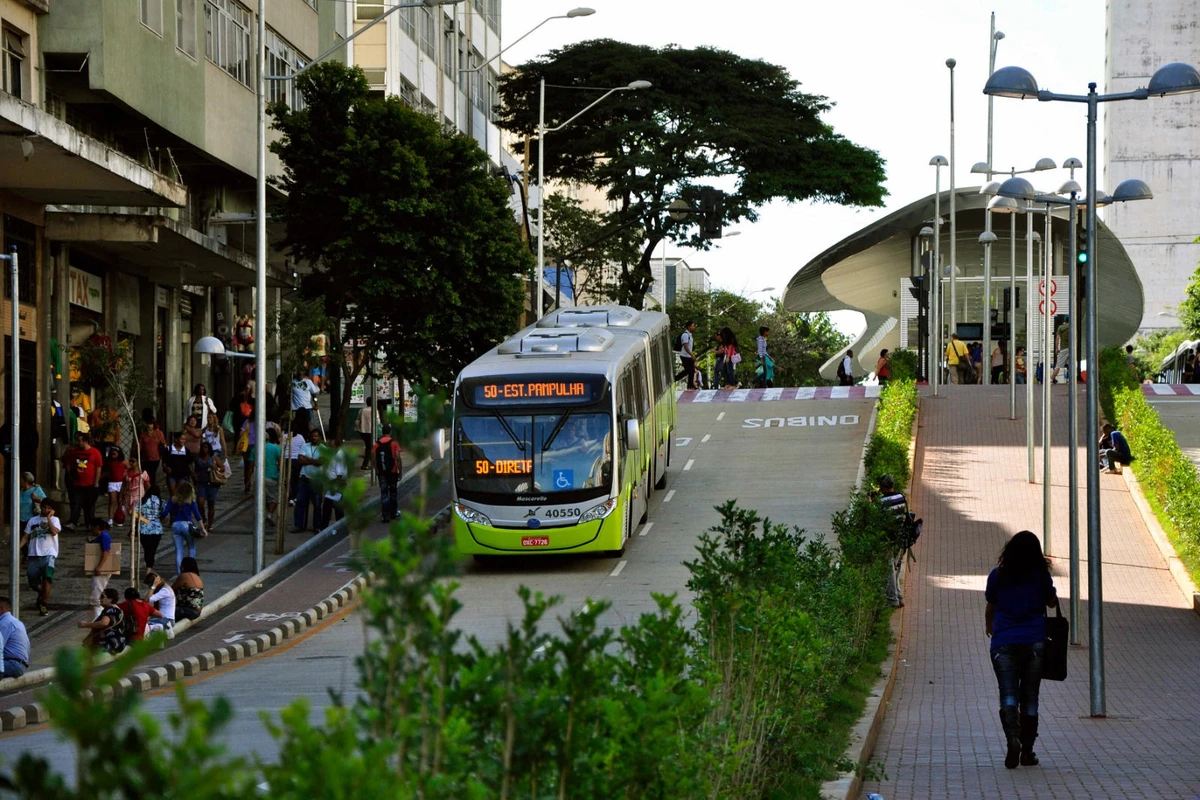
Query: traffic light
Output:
(1007,296)
(1081,238)
(917,289)
(712,212)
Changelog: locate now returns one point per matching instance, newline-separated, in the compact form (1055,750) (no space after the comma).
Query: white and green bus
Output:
(561,431)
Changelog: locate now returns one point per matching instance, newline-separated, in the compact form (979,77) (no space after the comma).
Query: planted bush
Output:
(887,451)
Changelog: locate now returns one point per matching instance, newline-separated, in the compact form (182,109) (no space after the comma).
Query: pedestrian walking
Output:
(1019,590)
(304,399)
(845,371)
(115,467)
(214,436)
(14,658)
(151,443)
(193,435)
(177,463)
(996,362)
(133,490)
(149,525)
(883,367)
(307,495)
(186,523)
(189,591)
(273,454)
(365,426)
(732,357)
(387,470)
(103,569)
(296,443)
(1020,370)
(31,497)
(335,484)
(958,359)
(765,369)
(207,464)
(976,362)
(41,535)
(83,465)
(200,406)
(687,354)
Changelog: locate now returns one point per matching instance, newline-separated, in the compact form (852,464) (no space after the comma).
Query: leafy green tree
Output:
(1151,350)
(412,244)
(582,240)
(711,118)
(1189,309)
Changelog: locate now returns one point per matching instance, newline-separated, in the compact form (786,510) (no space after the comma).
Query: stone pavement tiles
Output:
(941,736)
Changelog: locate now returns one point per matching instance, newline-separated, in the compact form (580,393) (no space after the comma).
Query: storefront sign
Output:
(86,290)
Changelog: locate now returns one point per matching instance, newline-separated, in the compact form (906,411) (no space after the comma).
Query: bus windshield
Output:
(546,453)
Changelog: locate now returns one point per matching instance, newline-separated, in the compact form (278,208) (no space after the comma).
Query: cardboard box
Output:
(91,557)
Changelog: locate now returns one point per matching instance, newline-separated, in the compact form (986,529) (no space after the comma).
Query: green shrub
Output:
(887,451)
(1164,471)
(904,364)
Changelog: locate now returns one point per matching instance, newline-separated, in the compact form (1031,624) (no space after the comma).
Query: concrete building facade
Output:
(1158,141)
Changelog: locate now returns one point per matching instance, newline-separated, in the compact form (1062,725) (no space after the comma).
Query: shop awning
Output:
(47,161)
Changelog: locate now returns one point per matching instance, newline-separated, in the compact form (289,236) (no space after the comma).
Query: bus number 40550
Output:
(561,513)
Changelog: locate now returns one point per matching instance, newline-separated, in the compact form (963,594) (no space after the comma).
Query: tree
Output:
(711,118)
(1189,309)
(580,239)
(413,248)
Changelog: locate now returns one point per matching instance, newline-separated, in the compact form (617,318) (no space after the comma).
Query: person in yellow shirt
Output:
(959,360)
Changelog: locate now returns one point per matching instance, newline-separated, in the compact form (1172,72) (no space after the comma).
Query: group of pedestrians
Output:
(117,623)
(727,356)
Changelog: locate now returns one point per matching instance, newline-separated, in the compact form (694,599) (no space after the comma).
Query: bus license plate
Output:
(535,541)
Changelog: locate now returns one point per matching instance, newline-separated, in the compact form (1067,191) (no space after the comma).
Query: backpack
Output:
(677,343)
(910,532)
(385,459)
(841,373)
(129,625)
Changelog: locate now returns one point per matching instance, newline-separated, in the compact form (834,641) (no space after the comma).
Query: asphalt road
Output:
(793,461)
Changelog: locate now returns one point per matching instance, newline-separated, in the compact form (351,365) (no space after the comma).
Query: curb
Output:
(336,530)
(1178,570)
(848,785)
(18,717)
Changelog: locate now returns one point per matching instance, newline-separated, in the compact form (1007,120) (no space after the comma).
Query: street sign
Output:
(1042,288)
(1053,307)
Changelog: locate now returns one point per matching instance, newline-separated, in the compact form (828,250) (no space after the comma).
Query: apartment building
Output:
(674,277)
(127,184)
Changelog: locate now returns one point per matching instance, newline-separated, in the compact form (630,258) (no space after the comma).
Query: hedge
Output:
(887,452)
(1167,475)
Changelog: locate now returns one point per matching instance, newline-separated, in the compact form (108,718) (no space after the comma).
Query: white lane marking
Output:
(707,436)
(617,570)
(873,391)
(806,393)
(645,529)
(772,394)
(839,392)
(704,396)
(1161,388)
(670,494)
(720,416)
(739,395)
(688,465)
(683,441)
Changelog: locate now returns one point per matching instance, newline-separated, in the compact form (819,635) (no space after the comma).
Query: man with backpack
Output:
(685,345)
(845,371)
(387,468)
(904,534)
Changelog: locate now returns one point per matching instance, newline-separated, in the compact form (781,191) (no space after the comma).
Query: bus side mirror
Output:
(633,435)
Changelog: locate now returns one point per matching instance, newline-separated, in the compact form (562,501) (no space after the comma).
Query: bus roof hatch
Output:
(591,317)
(557,341)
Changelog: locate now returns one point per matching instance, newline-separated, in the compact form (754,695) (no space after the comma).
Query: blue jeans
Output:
(183,540)
(1018,669)
(12,669)
(389,500)
(306,495)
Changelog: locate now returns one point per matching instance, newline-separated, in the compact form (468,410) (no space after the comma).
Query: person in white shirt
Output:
(41,533)
(365,426)
(200,405)
(161,596)
(335,476)
(846,374)
(687,354)
(295,445)
(304,400)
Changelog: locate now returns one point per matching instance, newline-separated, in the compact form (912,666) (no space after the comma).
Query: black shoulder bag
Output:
(1058,633)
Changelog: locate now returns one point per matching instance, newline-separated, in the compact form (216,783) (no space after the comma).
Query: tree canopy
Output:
(711,118)
(412,244)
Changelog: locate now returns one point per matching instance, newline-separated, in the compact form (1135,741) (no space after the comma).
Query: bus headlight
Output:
(470,515)
(598,512)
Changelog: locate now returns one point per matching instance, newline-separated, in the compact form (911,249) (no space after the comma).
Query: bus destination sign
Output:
(540,390)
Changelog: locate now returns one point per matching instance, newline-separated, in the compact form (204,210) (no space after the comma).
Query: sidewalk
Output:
(941,736)
(224,557)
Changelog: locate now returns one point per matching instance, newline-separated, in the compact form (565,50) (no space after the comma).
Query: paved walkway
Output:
(941,737)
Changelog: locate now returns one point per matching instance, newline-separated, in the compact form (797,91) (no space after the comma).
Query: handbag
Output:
(736,358)
(243,442)
(1058,633)
(217,474)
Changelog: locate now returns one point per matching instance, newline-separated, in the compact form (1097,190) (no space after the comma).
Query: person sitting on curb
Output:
(189,590)
(1114,449)
(107,631)
(161,597)
(138,610)
(15,658)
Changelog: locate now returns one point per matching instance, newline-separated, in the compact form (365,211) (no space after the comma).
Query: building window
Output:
(408,93)
(493,12)
(493,94)
(152,16)
(478,6)
(227,37)
(283,59)
(12,68)
(365,9)
(22,236)
(185,26)
(476,91)
(408,22)
(428,32)
(448,45)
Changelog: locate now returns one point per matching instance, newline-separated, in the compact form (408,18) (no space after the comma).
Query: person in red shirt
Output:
(387,469)
(114,473)
(137,609)
(82,465)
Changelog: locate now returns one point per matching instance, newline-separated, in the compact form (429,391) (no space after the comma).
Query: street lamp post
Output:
(950,62)
(1174,78)
(542,130)
(260,230)
(14,435)
(935,288)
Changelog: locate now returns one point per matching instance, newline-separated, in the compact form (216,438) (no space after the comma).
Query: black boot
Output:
(1010,720)
(1029,727)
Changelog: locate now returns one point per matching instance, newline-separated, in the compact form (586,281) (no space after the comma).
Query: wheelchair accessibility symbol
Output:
(564,478)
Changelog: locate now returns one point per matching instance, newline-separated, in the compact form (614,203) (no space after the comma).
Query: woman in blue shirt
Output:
(186,522)
(1018,592)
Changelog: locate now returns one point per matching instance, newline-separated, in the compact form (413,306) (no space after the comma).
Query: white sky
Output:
(883,64)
